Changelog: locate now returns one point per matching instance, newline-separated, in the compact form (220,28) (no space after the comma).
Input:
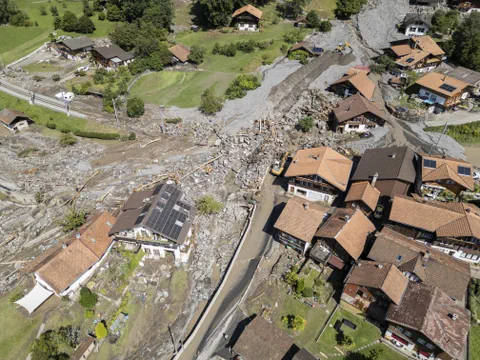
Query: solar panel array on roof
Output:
(447,87)
(169,213)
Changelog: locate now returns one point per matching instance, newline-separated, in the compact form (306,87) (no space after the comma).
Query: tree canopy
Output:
(445,22)
(466,42)
(347,8)
(7,9)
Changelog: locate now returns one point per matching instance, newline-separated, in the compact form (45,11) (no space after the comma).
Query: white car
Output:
(476,176)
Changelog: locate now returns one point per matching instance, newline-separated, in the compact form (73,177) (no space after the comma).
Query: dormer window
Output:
(431,164)
(463,170)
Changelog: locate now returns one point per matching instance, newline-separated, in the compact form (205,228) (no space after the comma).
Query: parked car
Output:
(476,176)
(379,211)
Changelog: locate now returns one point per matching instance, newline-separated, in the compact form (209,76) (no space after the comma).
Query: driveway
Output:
(453,118)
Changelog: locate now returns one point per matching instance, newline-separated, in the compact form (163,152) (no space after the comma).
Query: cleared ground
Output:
(16,42)
(182,89)
(326,8)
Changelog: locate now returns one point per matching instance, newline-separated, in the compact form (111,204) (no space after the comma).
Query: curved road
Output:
(41,100)
(254,246)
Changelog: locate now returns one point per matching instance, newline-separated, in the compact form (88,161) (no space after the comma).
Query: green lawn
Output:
(364,334)
(241,62)
(18,331)
(387,353)
(468,134)
(176,88)
(42,116)
(41,67)
(475,342)
(325,8)
(16,42)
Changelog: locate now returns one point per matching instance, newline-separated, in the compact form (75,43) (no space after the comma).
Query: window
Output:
(430,346)
(469,256)
(421,341)
(408,333)
(463,170)
(301,192)
(474,257)
(410,60)
(399,257)
(448,88)
(432,164)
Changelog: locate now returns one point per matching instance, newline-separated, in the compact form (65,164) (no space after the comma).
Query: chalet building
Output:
(419,54)
(416,24)
(342,238)
(441,173)
(354,81)
(469,76)
(260,339)
(247,18)
(318,174)
(441,92)
(391,170)
(71,265)
(14,120)
(298,223)
(180,54)
(372,286)
(112,56)
(158,220)
(363,196)
(428,324)
(71,48)
(356,115)
(466,7)
(421,263)
(453,228)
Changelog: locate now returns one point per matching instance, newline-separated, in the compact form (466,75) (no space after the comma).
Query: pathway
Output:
(453,118)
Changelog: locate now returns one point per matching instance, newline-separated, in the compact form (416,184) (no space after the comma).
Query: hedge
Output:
(96,135)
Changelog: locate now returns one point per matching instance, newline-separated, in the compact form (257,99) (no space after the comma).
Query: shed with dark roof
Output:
(391,170)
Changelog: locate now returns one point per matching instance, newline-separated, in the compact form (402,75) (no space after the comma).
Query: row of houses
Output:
(156,221)
(406,259)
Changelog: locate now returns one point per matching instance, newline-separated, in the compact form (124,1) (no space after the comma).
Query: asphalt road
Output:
(255,245)
(40,100)
(452,118)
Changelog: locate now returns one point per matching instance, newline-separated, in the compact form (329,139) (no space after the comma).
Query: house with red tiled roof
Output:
(452,227)
(362,195)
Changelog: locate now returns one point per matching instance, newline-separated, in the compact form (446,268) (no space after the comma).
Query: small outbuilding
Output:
(247,18)
(180,53)
(15,120)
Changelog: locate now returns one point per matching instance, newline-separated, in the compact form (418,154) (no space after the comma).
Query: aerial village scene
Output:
(239,179)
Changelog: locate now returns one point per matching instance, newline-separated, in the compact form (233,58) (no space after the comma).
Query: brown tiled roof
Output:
(324,162)
(447,169)
(181,52)
(301,218)
(393,163)
(360,81)
(460,73)
(383,276)
(426,43)
(112,51)
(7,116)
(429,310)
(261,340)
(401,50)
(72,262)
(436,269)
(252,10)
(349,228)
(446,219)
(82,348)
(433,81)
(354,106)
(412,58)
(303,354)
(365,192)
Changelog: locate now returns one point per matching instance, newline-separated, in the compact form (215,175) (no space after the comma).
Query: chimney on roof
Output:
(345,218)
(374,179)
(77,235)
(306,206)
(453,316)
(394,155)
(380,266)
(467,210)
(64,245)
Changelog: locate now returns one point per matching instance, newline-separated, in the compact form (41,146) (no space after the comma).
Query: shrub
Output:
(284,48)
(17,295)
(89,313)
(56,77)
(300,55)
(291,278)
(294,322)
(67,140)
(306,124)
(39,197)
(101,16)
(208,205)
(132,136)
(38,78)
(293,36)
(313,20)
(325,26)
(88,299)
(209,103)
(344,340)
(96,135)
(54,10)
(135,107)
(83,89)
(101,330)
(197,53)
(239,87)
(100,75)
(229,50)
(74,220)
(300,287)
(43,11)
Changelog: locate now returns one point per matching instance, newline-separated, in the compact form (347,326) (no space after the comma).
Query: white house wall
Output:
(416,30)
(361,128)
(434,97)
(310,194)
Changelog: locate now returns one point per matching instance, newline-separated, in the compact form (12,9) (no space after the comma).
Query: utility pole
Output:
(173,339)
(439,138)
(115,110)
